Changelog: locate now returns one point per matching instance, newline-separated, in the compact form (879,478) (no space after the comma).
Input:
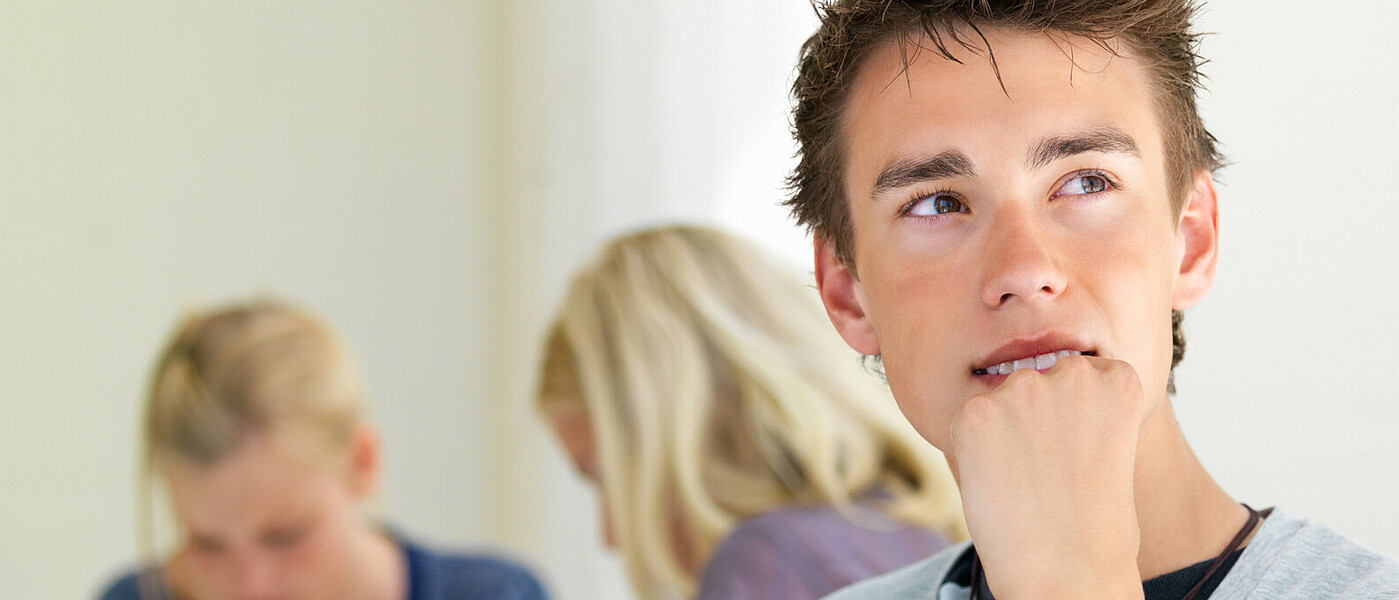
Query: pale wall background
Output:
(426,174)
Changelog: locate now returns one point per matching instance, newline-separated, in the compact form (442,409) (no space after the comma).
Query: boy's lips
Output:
(1039,352)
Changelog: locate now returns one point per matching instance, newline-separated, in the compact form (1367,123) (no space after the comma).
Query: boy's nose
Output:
(1020,264)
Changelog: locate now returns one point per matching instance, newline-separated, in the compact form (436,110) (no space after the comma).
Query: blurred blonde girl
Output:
(256,425)
(739,449)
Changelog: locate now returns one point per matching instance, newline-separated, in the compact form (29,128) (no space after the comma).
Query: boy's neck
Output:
(1184,515)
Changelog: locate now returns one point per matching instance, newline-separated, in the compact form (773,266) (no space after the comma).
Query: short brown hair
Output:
(1156,32)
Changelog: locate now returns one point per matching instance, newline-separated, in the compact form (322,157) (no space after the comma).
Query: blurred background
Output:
(425,175)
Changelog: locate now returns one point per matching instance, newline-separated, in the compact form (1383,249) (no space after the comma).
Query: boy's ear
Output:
(844,298)
(1197,242)
(365,461)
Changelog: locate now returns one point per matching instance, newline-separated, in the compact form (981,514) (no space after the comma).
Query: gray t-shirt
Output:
(806,552)
(1288,559)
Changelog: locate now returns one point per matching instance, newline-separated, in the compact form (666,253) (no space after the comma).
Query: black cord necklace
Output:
(1215,565)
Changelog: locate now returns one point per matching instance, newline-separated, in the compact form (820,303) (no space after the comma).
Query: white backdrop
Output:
(426,174)
(1279,391)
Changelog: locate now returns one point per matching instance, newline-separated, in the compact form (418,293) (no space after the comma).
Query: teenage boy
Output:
(1012,201)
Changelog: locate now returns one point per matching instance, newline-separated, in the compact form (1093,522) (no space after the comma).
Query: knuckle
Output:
(1120,373)
(1076,363)
(1020,380)
(975,411)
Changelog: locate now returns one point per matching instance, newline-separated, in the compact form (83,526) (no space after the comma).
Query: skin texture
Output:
(264,523)
(1076,480)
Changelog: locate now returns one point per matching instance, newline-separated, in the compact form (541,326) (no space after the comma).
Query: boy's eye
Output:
(936,204)
(1087,183)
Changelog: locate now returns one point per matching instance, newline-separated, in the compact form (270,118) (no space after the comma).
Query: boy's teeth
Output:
(1041,362)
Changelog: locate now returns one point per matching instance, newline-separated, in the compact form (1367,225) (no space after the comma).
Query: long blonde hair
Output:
(717,389)
(240,370)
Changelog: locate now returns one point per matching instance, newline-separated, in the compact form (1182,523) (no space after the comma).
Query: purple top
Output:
(806,552)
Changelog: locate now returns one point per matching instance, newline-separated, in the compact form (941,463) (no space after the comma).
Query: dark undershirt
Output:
(1171,586)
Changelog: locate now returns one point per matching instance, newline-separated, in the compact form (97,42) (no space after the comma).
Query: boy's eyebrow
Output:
(943,165)
(1104,139)
(954,163)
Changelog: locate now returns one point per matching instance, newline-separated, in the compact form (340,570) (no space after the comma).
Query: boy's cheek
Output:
(923,409)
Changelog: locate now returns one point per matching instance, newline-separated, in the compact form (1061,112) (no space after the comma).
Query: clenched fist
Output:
(1045,463)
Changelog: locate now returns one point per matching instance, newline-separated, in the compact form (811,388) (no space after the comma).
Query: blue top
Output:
(806,552)
(431,576)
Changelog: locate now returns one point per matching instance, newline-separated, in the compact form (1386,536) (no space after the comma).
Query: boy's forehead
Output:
(1013,63)
(906,98)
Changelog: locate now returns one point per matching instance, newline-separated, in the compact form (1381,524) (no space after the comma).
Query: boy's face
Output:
(991,228)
